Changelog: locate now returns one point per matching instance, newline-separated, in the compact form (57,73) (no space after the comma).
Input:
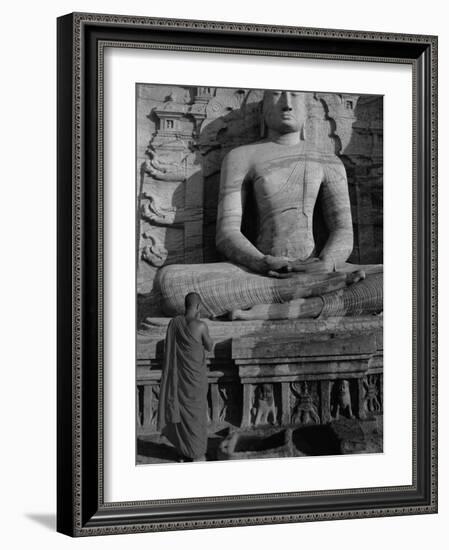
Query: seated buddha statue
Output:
(279,275)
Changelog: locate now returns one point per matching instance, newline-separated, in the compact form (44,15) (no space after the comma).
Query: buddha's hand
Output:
(312,266)
(276,266)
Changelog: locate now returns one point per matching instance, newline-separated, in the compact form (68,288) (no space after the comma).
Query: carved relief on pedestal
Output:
(372,395)
(305,410)
(229,403)
(154,405)
(341,401)
(139,399)
(147,404)
(264,410)
(225,402)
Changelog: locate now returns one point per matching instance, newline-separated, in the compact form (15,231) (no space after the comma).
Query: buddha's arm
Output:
(229,240)
(337,214)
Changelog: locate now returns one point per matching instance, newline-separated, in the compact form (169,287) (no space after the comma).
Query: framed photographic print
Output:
(246,274)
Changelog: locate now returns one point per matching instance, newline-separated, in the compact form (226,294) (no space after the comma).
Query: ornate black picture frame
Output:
(81,509)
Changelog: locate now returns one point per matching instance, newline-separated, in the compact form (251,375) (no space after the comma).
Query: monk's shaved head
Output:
(192,301)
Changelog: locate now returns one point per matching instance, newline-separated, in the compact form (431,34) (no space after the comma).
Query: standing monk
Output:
(183,397)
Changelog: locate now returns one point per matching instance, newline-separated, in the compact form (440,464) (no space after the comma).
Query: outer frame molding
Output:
(81,510)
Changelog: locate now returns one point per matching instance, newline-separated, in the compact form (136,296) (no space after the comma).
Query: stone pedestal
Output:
(295,380)
(275,373)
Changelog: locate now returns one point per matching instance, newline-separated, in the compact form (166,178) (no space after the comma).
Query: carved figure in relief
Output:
(225,399)
(158,164)
(160,168)
(154,253)
(305,411)
(343,400)
(372,403)
(152,212)
(264,409)
(138,407)
(163,171)
(279,275)
(154,404)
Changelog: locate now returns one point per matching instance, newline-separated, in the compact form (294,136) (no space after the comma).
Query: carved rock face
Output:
(183,134)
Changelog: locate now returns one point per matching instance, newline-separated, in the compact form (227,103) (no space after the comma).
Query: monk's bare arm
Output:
(337,214)
(208,343)
(230,240)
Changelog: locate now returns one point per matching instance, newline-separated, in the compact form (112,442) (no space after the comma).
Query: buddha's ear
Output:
(303,132)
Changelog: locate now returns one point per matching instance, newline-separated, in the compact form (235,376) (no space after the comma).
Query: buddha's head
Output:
(283,111)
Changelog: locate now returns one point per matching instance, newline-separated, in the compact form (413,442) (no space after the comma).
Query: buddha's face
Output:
(284,111)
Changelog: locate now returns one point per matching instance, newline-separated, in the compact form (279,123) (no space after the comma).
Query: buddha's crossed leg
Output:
(226,288)
(359,296)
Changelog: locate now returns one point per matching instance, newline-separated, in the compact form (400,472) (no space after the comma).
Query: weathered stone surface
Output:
(286,346)
(257,443)
(151,336)
(278,272)
(345,436)
(263,374)
(183,135)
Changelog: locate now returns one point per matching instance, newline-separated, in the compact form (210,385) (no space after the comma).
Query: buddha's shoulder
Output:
(314,154)
(246,153)
(323,158)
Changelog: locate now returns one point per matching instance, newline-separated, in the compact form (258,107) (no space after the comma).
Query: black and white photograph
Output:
(221,293)
(259,288)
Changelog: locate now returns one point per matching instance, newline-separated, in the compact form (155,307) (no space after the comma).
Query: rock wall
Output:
(183,133)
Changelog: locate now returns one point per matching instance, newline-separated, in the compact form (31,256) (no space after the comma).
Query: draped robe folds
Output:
(287,182)
(182,411)
(224,286)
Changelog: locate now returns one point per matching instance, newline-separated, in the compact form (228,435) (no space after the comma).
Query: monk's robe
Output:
(182,411)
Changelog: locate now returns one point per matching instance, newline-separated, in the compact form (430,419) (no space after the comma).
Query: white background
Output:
(27,404)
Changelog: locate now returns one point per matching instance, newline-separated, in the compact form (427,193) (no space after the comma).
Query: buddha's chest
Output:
(286,181)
